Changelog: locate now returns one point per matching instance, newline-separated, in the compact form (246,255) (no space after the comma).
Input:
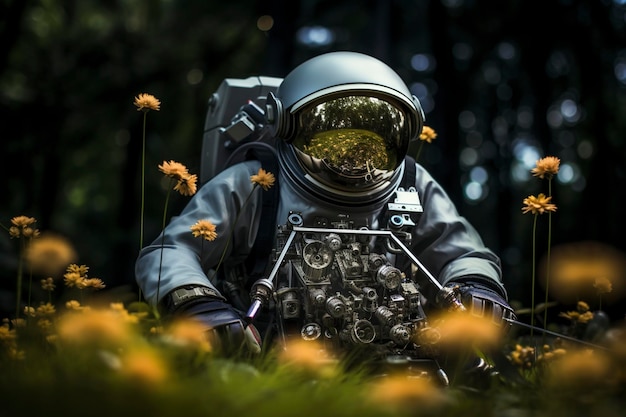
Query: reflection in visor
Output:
(351,151)
(356,138)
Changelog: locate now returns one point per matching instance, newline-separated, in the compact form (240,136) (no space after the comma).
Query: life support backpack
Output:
(235,123)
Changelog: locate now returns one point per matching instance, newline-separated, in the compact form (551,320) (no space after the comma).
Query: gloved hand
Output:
(227,330)
(482,300)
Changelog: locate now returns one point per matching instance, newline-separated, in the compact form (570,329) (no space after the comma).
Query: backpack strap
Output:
(408,178)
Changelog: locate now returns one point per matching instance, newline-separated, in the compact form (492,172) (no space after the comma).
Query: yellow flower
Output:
(551,355)
(538,205)
(188,333)
(45,310)
(581,370)
(263,178)
(187,185)
(581,315)
(602,285)
(308,356)
(546,167)
(22,227)
(428,134)
(123,314)
(29,311)
(48,284)
(44,324)
(582,307)
(522,356)
(73,279)
(7,335)
(403,392)
(94,326)
(50,254)
(144,365)
(76,276)
(23,221)
(147,102)
(93,283)
(469,330)
(174,170)
(205,229)
(73,305)
(79,269)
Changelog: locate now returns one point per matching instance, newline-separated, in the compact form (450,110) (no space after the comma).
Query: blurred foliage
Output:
(69,71)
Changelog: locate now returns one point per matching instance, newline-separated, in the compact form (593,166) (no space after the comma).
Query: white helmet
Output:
(348,117)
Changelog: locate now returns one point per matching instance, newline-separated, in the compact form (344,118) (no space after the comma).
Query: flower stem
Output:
(20,271)
(167,200)
(143,185)
(545,312)
(143,180)
(532,295)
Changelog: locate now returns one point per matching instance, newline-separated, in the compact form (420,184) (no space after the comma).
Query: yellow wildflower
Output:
(404,392)
(189,333)
(428,134)
(581,315)
(263,178)
(582,307)
(546,167)
(44,324)
(581,370)
(538,205)
(50,254)
(30,311)
(204,229)
(94,326)
(7,335)
(23,221)
(144,365)
(79,269)
(46,309)
(174,170)
(469,330)
(73,305)
(602,285)
(310,357)
(187,185)
(47,284)
(19,322)
(522,356)
(73,279)
(123,314)
(550,355)
(22,227)
(93,283)
(147,102)
(585,317)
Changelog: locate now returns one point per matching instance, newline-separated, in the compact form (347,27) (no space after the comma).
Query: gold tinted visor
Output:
(355,139)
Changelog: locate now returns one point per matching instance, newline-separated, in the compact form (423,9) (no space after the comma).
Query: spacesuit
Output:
(343,123)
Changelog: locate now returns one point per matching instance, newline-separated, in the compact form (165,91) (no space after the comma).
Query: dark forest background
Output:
(503,83)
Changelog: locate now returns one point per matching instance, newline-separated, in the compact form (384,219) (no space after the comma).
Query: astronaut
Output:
(343,122)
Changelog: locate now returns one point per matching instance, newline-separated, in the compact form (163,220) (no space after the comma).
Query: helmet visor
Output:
(354,139)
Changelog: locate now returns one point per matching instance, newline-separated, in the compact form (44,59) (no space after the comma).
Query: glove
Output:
(225,325)
(481,300)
